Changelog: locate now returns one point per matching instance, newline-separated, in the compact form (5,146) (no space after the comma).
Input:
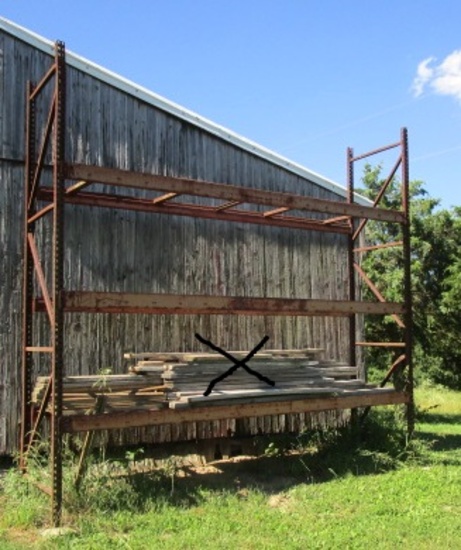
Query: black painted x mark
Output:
(237,363)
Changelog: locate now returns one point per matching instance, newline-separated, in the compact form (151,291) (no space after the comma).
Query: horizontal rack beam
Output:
(132,419)
(378,246)
(226,192)
(375,151)
(381,344)
(113,302)
(104,200)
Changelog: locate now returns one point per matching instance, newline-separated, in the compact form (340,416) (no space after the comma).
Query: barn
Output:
(213,235)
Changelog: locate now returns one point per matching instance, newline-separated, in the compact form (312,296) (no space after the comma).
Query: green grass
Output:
(440,424)
(347,490)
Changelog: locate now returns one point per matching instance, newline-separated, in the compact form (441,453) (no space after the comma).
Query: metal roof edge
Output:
(178,111)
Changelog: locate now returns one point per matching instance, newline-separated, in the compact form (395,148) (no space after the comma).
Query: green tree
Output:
(436,281)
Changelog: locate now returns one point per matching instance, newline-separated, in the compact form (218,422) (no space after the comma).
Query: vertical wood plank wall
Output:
(117,250)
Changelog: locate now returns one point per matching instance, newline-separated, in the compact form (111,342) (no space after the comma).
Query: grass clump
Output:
(27,505)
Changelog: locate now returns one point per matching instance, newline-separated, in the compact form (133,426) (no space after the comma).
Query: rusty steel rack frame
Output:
(52,291)
(405,322)
(43,290)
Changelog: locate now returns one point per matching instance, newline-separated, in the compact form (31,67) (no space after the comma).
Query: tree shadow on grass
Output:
(435,418)
(433,435)
(439,442)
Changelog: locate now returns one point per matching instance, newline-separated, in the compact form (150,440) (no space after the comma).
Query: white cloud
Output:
(443,79)
(423,75)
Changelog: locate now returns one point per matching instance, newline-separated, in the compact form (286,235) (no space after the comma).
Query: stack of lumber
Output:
(296,374)
(180,380)
(117,391)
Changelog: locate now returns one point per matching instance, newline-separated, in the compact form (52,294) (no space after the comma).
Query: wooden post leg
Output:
(82,460)
(98,408)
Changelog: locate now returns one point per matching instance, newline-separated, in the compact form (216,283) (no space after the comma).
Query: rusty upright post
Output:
(351,272)
(350,258)
(406,230)
(27,295)
(57,289)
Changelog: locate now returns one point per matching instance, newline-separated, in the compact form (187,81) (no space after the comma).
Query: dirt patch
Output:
(25,538)
(242,473)
(280,501)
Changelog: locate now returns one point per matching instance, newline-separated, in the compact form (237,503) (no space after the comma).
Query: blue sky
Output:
(306,78)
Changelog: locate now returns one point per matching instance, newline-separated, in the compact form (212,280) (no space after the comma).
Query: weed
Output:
(27,505)
(133,456)
(273,449)
(171,468)
(102,383)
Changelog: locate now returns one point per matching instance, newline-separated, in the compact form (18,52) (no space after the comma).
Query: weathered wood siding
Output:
(118,250)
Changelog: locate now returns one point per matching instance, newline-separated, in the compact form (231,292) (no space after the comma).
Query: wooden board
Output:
(181,357)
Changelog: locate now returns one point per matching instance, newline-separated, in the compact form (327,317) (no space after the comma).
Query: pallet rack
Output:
(45,294)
